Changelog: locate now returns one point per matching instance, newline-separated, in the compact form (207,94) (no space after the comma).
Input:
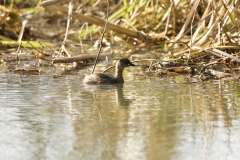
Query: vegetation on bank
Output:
(198,37)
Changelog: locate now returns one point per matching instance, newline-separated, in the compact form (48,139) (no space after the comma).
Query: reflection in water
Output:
(46,118)
(120,99)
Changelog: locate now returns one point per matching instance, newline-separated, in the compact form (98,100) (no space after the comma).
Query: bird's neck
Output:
(118,74)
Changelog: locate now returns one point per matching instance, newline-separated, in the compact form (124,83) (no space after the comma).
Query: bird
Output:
(98,78)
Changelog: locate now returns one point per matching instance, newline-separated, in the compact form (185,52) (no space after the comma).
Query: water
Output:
(42,117)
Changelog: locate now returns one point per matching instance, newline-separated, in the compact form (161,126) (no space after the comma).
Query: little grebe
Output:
(107,78)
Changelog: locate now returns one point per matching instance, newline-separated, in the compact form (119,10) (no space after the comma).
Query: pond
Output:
(46,117)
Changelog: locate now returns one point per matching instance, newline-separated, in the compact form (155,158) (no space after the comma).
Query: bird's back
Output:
(99,78)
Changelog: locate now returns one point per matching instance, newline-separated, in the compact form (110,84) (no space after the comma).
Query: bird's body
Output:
(107,78)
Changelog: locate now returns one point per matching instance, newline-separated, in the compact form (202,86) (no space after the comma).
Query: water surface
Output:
(42,117)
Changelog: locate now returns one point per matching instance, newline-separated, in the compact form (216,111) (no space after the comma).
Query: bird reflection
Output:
(120,99)
(118,89)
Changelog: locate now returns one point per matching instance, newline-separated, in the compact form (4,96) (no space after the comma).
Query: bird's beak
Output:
(131,64)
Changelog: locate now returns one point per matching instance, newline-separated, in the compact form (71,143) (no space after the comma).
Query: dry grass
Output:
(190,32)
